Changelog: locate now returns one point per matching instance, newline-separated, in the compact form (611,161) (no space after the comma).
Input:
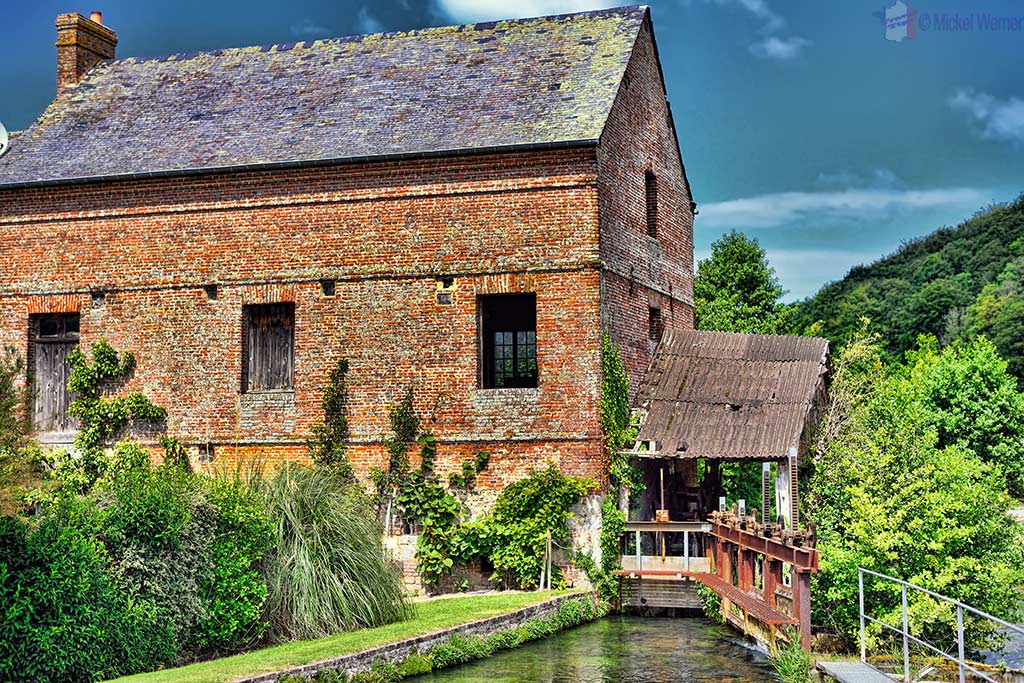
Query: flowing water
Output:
(622,650)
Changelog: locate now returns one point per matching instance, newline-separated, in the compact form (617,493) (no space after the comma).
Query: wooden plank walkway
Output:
(853,672)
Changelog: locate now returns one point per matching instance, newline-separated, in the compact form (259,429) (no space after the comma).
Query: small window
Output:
(268,352)
(651,197)
(654,325)
(508,340)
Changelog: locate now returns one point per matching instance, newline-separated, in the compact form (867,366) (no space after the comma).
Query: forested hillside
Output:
(954,283)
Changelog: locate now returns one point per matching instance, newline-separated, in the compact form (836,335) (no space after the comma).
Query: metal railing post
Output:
(960,640)
(686,550)
(863,630)
(906,637)
(639,562)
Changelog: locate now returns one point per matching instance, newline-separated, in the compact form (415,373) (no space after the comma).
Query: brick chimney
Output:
(81,44)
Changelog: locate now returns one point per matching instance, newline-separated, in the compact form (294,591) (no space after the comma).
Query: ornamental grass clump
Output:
(327,571)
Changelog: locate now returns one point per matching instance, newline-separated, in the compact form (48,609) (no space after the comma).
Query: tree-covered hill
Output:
(954,283)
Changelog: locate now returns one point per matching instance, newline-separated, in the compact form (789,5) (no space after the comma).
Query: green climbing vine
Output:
(101,414)
(328,446)
(512,537)
(615,417)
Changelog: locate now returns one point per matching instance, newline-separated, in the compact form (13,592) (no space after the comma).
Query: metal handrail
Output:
(960,660)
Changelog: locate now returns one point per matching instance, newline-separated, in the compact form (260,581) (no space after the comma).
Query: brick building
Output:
(459,209)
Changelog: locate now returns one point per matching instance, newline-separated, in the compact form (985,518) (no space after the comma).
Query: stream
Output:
(622,650)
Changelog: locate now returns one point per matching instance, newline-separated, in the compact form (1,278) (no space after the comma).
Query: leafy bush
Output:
(524,513)
(233,592)
(327,572)
(791,662)
(888,495)
(415,665)
(64,618)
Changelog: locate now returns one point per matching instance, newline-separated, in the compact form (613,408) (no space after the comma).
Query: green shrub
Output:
(415,665)
(327,571)
(524,513)
(711,602)
(791,662)
(459,650)
(330,676)
(63,616)
(233,592)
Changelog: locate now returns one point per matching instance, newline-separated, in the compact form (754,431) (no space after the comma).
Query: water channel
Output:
(623,650)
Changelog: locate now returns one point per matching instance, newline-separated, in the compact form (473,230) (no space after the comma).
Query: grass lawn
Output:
(431,615)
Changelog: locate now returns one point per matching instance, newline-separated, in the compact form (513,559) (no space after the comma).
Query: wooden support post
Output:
(772,578)
(746,569)
(802,606)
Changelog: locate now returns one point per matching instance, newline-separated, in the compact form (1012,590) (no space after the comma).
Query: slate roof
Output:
(731,396)
(525,82)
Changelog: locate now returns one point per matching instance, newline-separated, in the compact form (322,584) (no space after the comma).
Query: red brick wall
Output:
(510,223)
(568,225)
(643,271)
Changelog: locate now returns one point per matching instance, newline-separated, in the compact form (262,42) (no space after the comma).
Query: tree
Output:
(898,486)
(737,290)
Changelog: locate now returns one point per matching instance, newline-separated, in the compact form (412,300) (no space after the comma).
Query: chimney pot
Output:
(81,44)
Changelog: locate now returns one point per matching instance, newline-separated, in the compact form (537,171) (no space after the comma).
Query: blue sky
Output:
(800,124)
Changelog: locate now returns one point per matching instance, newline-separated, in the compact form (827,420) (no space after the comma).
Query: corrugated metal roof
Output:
(725,395)
(499,84)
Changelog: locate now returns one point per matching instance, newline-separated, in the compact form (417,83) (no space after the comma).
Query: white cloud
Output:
(999,119)
(367,23)
(489,10)
(772,210)
(758,9)
(877,178)
(779,49)
(307,28)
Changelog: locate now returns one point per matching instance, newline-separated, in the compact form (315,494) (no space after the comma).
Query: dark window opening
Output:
(328,287)
(651,197)
(268,354)
(99,298)
(654,324)
(508,340)
(211,292)
(206,453)
(51,339)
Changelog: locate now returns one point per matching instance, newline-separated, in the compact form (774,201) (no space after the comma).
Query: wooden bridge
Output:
(763,581)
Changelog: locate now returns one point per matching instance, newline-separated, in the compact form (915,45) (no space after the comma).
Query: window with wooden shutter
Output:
(268,354)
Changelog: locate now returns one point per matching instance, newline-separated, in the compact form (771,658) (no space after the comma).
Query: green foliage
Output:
(898,486)
(470,468)
(329,444)
(327,572)
(524,513)
(737,290)
(233,592)
(711,603)
(21,460)
(951,284)
(415,665)
(791,662)
(460,649)
(615,418)
(64,618)
(101,416)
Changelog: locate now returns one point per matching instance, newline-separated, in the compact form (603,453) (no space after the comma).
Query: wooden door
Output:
(51,340)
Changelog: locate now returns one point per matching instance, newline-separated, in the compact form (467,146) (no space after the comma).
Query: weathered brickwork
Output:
(643,271)
(163,267)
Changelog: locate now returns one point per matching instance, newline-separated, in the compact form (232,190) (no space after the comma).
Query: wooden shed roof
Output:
(730,396)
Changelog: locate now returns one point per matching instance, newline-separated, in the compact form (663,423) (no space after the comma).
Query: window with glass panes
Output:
(508,340)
